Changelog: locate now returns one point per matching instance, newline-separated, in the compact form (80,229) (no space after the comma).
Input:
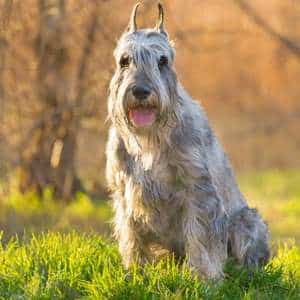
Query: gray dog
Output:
(171,182)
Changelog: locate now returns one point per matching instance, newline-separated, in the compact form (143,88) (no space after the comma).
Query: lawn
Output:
(80,266)
(276,194)
(84,264)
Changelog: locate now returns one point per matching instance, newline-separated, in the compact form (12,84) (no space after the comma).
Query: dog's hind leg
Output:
(248,238)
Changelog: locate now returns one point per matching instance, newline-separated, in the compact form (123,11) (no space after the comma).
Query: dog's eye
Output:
(124,61)
(163,61)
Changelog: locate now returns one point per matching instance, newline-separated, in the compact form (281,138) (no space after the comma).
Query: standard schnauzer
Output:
(172,184)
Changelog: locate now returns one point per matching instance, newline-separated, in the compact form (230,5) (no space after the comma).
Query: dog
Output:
(172,184)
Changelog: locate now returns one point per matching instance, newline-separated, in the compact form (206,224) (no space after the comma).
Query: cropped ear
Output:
(161,19)
(132,27)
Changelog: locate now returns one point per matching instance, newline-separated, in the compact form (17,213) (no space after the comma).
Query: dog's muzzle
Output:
(142,107)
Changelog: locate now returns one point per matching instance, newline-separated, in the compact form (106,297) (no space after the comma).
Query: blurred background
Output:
(240,58)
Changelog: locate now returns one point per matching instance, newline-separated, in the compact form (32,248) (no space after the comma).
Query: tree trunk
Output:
(48,155)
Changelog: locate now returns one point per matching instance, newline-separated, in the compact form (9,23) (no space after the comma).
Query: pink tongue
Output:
(142,117)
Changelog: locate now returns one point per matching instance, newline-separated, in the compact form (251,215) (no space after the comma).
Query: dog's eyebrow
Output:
(142,56)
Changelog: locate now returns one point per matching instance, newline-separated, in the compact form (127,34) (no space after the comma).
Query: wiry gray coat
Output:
(172,185)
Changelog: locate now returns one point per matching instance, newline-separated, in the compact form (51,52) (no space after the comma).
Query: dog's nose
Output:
(141,92)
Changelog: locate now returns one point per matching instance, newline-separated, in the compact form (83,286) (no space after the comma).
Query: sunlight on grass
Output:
(84,266)
(81,266)
(276,194)
(30,213)
(288,258)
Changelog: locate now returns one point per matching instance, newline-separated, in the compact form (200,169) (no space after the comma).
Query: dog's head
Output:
(144,87)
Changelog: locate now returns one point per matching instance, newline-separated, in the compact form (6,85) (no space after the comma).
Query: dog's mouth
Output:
(142,115)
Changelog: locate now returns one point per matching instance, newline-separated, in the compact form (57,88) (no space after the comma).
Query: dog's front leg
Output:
(205,230)
(131,250)
(132,247)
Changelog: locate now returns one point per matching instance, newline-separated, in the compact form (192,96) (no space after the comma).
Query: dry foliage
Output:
(241,58)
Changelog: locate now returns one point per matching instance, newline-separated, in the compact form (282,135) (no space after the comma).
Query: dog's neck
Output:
(147,147)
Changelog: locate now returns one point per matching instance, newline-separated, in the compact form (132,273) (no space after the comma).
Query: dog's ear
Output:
(132,26)
(161,19)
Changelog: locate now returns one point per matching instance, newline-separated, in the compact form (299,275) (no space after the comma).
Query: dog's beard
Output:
(149,123)
(140,139)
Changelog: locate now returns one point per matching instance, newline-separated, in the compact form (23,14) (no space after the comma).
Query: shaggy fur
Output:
(172,185)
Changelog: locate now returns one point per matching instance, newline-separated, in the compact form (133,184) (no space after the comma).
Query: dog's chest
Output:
(153,179)
(151,191)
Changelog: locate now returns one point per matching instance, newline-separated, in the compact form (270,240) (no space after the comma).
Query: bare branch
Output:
(6,13)
(251,13)
(266,128)
(86,53)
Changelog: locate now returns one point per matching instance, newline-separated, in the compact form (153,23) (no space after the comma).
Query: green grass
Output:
(81,266)
(276,194)
(29,213)
(75,265)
